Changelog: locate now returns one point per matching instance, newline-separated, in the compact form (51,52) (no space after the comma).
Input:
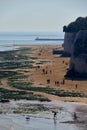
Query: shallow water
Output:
(18,122)
(39,121)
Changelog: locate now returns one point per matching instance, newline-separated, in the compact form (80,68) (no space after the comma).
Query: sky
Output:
(39,15)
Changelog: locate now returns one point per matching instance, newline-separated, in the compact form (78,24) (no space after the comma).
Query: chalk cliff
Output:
(78,60)
(68,42)
(71,31)
(75,43)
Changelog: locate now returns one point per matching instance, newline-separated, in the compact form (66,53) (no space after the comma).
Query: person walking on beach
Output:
(54,114)
(75,116)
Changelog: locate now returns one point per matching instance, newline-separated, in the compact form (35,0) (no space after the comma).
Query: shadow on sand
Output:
(73,75)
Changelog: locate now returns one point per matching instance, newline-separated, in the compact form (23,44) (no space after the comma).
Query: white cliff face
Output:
(78,60)
(75,43)
(69,41)
(79,64)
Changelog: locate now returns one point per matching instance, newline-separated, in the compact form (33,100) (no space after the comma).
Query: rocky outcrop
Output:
(75,43)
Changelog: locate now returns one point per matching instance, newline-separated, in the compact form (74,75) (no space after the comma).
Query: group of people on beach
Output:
(56,82)
(55,116)
(74,115)
(45,71)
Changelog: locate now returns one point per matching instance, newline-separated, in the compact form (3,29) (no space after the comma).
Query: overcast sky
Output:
(39,15)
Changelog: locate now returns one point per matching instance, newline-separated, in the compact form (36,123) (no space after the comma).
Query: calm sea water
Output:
(7,40)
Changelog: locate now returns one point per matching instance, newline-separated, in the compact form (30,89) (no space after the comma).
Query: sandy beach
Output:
(56,67)
(43,65)
(47,74)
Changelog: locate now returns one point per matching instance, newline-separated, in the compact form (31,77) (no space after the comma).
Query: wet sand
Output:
(44,119)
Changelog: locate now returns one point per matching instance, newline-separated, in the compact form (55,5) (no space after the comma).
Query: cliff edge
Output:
(75,43)
(71,32)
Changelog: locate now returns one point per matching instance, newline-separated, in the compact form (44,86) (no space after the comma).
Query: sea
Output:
(8,40)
